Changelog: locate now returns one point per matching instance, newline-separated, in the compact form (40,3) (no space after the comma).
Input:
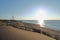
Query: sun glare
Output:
(41,15)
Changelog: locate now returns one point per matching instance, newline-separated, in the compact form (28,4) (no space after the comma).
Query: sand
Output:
(11,33)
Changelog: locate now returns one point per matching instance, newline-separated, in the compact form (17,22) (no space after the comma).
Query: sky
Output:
(26,9)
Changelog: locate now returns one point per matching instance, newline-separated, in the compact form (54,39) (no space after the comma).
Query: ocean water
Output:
(30,21)
(52,24)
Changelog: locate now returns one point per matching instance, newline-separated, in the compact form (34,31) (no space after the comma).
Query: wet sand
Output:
(11,33)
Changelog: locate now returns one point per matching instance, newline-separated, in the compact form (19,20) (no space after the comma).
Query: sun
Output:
(41,15)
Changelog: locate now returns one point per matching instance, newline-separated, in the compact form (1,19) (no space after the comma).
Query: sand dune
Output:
(11,33)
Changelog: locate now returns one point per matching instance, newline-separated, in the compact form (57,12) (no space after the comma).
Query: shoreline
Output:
(34,28)
(11,33)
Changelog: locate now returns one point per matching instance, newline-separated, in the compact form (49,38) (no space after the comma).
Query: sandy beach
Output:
(11,33)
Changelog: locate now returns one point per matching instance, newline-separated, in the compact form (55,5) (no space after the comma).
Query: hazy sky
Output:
(26,9)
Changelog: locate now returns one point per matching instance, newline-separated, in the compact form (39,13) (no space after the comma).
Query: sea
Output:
(51,24)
